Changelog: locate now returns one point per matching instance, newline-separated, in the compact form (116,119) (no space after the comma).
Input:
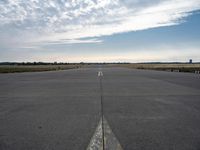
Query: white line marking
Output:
(111,142)
(100,73)
(96,142)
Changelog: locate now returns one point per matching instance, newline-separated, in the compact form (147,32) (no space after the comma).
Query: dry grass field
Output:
(179,67)
(35,68)
(182,67)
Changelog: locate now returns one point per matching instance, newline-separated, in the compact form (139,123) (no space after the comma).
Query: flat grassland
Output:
(179,67)
(36,68)
(174,67)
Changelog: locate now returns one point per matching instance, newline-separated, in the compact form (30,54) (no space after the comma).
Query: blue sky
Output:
(99,30)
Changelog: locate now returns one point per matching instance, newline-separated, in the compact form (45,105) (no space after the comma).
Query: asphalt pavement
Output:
(146,110)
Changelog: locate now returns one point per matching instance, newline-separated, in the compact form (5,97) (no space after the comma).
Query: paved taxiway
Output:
(146,110)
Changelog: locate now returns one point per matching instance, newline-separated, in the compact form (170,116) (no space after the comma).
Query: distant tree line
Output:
(54,63)
(83,63)
(32,63)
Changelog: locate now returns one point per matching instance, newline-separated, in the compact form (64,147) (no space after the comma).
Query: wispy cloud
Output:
(50,21)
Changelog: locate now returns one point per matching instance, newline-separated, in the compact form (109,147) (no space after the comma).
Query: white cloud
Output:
(72,20)
(71,41)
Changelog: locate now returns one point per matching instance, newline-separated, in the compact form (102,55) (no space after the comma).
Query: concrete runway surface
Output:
(146,110)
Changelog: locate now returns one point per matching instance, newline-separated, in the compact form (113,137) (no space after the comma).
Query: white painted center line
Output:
(96,143)
(100,73)
(111,142)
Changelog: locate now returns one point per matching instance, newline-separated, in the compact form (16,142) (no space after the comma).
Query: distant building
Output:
(190,61)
